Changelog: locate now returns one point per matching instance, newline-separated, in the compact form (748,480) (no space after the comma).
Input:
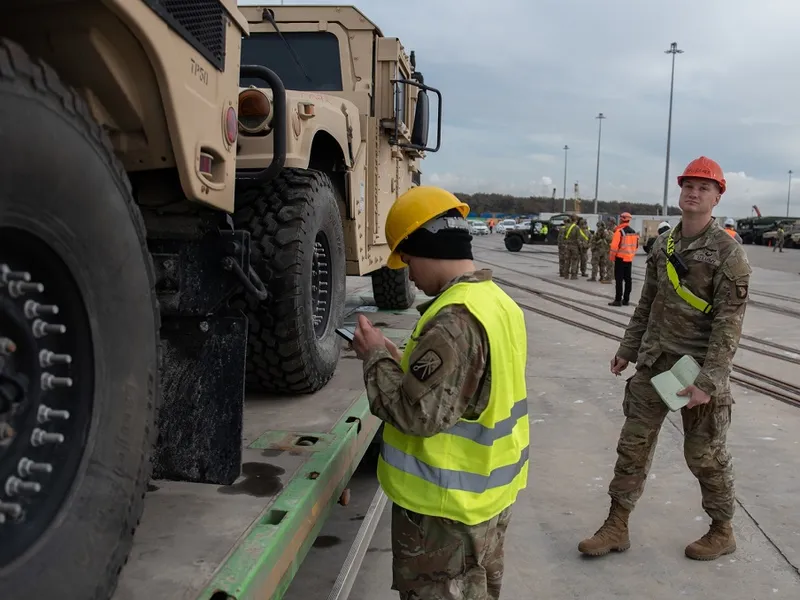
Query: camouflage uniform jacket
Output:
(664,323)
(456,388)
(600,241)
(585,242)
(561,231)
(575,238)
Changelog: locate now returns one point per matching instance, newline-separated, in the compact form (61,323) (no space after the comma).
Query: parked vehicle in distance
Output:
(477,227)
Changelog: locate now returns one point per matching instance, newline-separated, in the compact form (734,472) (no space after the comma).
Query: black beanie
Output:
(449,244)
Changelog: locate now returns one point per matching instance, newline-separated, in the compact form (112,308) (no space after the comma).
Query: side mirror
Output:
(419,134)
(422,119)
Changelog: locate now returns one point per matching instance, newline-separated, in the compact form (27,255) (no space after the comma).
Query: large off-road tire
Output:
(392,289)
(513,243)
(67,219)
(298,251)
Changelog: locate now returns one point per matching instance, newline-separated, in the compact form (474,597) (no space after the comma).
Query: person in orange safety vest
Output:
(624,245)
(730,229)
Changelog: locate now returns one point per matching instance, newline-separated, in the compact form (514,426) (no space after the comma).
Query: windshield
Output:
(318,52)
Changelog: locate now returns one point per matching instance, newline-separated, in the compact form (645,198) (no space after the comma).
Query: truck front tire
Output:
(298,251)
(83,425)
(513,243)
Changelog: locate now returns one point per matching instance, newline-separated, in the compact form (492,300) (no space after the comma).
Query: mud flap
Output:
(200,422)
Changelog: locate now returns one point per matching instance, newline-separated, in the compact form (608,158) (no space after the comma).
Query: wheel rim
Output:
(46,386)
(321,280)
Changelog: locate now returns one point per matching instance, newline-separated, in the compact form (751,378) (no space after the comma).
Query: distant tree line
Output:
(503,203)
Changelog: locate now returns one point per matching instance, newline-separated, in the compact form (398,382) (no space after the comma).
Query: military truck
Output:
(119,123)
(357,111)
(135,244)
(515,239)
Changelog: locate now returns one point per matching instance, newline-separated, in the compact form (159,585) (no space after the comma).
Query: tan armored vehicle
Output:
(132,235)
(357,115)
(118,120)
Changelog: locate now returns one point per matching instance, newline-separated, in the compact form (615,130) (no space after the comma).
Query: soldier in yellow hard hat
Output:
(453,410)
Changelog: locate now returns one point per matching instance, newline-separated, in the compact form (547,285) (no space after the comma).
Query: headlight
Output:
(255,110)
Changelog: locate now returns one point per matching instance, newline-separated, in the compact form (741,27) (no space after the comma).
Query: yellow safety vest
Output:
(579,229)
(683,292)
(475,469)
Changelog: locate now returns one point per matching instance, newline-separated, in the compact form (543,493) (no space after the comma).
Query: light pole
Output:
(789,195)
(564,198)
(673,49)
(599,118)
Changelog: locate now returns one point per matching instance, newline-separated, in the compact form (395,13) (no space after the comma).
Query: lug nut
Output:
(15,485)
(40,437)
(27,467)
(42,328)
(48,414)
(48,359)
(7,346)
(34,309)
(51,382)
(6,431)
(20,288)
(12,509)
(7,275)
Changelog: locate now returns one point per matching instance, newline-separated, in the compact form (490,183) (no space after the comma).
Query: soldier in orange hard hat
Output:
(692,305)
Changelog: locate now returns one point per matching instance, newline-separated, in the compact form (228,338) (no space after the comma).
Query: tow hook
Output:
(251,281)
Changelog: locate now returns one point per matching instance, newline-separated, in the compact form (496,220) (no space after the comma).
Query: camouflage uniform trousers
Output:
(441,559)
(599,265)
(704,444)
(573,257)
(584,251)
(609,266)
(563,265)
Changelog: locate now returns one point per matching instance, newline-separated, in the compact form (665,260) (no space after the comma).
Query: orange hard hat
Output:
(705,168)
(626,216)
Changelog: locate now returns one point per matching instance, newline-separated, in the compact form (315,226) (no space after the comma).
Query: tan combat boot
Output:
(717,542)
(613,535)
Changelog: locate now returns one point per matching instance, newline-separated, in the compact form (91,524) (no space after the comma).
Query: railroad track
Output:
(782,310)
(744,376)
(559,299)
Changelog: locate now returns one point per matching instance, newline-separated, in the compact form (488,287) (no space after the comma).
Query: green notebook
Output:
(669,383)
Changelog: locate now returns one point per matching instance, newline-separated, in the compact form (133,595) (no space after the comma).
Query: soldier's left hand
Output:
(696,396)
(367,337)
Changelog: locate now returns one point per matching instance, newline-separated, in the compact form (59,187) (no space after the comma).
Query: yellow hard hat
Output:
(413,209)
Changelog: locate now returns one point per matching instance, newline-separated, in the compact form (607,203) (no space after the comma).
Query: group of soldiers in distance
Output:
(573,253)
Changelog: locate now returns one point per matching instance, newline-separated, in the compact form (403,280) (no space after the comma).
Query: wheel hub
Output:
(321,279)
(42,424)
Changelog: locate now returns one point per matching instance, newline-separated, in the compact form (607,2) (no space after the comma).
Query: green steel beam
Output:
(265,561)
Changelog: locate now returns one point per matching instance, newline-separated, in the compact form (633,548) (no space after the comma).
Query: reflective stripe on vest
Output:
(475,469)
(581,231)
(684,293)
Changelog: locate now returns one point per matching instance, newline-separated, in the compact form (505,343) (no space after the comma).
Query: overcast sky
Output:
(521,79)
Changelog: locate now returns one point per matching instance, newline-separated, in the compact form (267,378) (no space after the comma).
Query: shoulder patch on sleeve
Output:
(426,365)
(741,291)
(736,266)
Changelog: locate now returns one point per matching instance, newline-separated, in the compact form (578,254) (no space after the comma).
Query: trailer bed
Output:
(209,542)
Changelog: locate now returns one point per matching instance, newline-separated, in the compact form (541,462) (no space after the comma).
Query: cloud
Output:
(522,79)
